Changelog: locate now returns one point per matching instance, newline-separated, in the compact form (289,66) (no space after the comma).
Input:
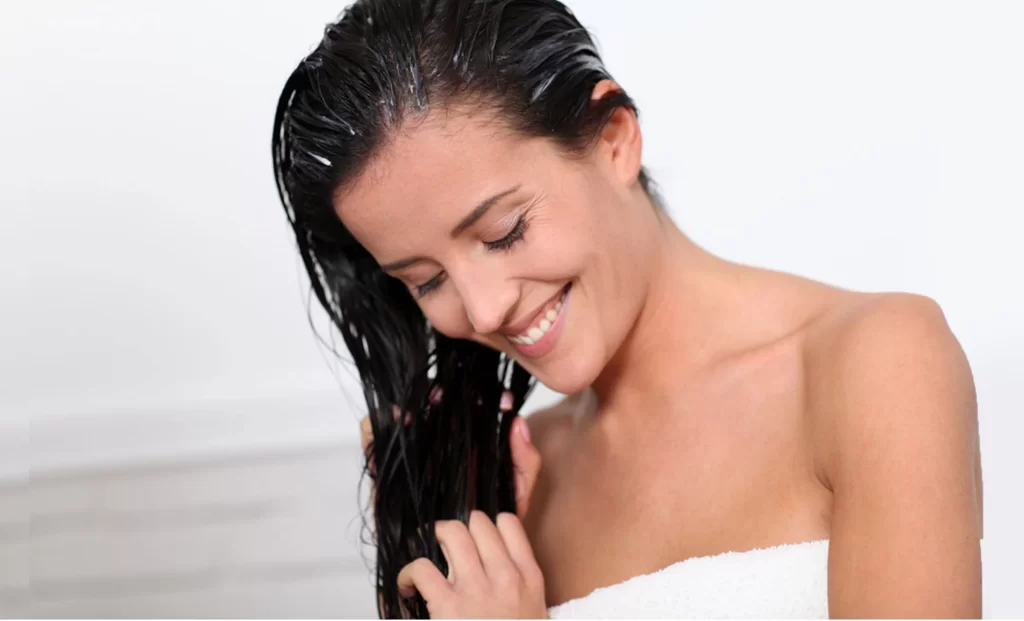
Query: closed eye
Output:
(505,243)
(430,285)
(516,234)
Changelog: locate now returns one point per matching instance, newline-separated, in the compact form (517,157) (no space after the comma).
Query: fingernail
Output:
(524,429)
(506,401)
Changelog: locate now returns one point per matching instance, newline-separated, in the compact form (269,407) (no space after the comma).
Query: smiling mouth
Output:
(544,321)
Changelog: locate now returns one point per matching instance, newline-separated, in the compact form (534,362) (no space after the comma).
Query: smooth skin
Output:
(714,406)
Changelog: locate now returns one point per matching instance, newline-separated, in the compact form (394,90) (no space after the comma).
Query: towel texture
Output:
(788,581)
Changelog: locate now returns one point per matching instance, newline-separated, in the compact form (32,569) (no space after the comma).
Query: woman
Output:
(464,180)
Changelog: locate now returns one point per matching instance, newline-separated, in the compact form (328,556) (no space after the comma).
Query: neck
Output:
(697,310)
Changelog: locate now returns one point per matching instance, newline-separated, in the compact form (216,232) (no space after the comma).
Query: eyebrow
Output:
(477,213)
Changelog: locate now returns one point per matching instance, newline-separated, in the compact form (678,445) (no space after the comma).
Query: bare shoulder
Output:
(873,352)
(861,328)
(892,404)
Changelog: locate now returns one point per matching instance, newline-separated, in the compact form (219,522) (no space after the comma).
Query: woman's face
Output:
(506,241)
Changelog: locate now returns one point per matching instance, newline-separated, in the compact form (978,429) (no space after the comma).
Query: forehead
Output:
(431,173)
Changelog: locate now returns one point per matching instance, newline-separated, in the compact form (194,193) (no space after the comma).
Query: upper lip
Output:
(523,325)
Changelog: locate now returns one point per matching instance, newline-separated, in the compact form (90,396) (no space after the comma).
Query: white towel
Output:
(787,581)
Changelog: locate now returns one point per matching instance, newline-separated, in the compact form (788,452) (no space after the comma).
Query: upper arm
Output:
(902,416)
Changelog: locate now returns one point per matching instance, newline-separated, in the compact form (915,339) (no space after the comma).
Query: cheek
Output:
(559,260)
(560,250)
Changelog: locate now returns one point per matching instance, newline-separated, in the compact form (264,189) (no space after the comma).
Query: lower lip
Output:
(546,342)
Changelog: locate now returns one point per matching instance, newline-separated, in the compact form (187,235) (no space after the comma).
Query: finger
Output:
(491,548)
(366,436)
(396,412)
(459,550)
(423,576)
(519,549)
(365,432)
(526,463)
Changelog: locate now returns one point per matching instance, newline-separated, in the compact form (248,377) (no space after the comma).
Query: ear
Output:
(620,139)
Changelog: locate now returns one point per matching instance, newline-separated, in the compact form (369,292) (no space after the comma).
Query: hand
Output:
(492,572)
(526,459)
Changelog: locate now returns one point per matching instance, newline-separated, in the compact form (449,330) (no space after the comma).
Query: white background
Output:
(151,304)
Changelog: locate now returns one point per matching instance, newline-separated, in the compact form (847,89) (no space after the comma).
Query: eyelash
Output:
(430,285)
(504,244)
(516,234)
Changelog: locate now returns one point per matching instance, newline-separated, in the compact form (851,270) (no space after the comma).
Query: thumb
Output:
(526,463)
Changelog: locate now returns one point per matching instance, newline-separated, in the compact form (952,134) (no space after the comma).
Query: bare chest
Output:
(731,470)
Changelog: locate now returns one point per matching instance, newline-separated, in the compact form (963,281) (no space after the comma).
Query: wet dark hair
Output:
(383,63)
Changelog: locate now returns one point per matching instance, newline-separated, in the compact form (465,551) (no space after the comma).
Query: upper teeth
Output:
(535,333)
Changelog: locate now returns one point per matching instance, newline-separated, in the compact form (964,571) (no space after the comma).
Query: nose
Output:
(487,299)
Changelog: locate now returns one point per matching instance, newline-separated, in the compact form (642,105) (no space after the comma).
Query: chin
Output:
(568,376)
